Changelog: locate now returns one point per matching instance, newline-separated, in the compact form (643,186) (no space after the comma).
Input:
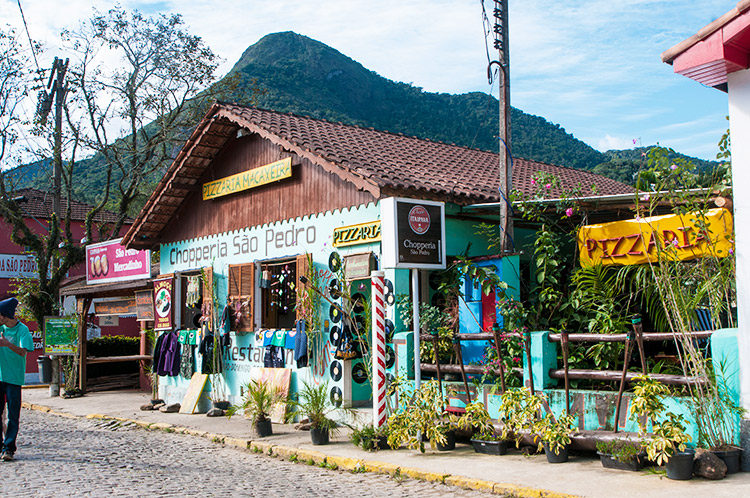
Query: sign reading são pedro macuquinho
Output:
(413,233)
(248,179)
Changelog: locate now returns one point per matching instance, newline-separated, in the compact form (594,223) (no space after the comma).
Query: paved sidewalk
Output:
(512,474)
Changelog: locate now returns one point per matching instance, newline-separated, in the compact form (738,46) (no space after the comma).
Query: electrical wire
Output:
(28,35)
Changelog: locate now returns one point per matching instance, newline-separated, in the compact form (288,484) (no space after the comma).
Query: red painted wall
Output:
(128,326)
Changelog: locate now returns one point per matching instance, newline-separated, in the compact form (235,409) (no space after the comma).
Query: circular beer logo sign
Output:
(419,220)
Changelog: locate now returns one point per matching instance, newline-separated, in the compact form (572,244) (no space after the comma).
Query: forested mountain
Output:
(297,74)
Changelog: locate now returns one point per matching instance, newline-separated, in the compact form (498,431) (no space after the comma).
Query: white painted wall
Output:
(739,125)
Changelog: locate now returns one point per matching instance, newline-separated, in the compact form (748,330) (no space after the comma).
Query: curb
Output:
(333,462)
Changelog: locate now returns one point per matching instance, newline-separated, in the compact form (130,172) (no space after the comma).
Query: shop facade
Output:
(257,199)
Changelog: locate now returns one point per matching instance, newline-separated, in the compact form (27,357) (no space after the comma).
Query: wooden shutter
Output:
(240,296)
(303,268)
(207,309)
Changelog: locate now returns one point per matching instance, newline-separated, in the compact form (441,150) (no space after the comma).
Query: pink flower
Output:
(675,242)
(673,167)
(533,182)
(634,141)
(569,212)
(548,186)
(517,359)
(645,197)
(731,251)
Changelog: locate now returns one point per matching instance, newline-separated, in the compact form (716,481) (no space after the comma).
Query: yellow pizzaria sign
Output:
(673,237)
(248,179)
(356,234)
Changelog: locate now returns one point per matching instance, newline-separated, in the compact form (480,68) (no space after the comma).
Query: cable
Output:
(31,43)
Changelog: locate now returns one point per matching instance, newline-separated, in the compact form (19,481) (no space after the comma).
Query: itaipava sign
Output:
(674,237)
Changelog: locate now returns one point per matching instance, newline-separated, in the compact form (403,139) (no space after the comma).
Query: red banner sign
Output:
(163,304)
(111,262)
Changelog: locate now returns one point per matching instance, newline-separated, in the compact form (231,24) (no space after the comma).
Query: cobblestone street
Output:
(60,457)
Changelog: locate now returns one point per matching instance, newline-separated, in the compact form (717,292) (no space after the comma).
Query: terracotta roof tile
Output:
(40,205)
(403,162)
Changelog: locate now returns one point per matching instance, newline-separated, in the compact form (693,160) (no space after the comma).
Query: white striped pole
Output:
(378,349)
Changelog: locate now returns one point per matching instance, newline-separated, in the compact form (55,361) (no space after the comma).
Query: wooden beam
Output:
(647,336)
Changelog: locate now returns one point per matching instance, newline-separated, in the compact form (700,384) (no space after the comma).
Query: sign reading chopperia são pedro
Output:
(638,241)
(248,179)
(110,262)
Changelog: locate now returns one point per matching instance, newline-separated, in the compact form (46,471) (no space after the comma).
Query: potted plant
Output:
(313,402)
(554,436)
(519,411)
(668,443)
(370,438)
(621,454)
(484,440)
(259,400)
(423,418)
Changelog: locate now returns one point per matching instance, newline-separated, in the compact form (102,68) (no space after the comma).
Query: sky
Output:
(591,66)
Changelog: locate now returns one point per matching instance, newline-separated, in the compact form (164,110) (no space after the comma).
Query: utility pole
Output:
(56,89)
(500,34)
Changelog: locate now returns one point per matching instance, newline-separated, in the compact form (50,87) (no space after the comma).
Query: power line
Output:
(28,35)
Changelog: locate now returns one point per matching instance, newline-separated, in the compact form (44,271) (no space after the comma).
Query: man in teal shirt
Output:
(15,342)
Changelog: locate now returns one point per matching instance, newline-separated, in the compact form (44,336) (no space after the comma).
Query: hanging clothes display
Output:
(346,349)
(300,344)
(207,349)
(193,292)
(169,362)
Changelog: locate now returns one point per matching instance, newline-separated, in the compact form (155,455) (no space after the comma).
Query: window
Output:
(278,291)
(240,296)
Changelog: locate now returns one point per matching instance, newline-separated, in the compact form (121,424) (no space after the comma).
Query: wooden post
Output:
(459,356)
(83,309)
(628,350)
(564,342)
(496,332)
(435,349)
(527,344)
(638,329)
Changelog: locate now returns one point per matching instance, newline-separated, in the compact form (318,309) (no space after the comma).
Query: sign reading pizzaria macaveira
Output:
(248,179)
(676,237)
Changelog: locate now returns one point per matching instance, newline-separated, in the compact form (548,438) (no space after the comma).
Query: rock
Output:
(173,408)
(147,407)
(709,466)
(215,412)
(303,425)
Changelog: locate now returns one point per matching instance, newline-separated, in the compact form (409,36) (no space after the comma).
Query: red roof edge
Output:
(717,50)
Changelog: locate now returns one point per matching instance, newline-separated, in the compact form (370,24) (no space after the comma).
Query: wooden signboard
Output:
(193,394)
(115,307)
(144,305)
(277,378)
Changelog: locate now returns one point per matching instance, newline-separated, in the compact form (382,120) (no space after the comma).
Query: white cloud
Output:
(608,142)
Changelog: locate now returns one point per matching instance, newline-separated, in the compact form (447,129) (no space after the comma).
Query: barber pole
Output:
(378,348)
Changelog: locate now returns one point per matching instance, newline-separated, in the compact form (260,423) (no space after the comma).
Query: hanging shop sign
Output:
(144,305)
(413,233)
(118,307)
(163,303)
(248,179)
(60,335)
(641,240)
(110,262)
(358,266)
(18,266)
(362,233)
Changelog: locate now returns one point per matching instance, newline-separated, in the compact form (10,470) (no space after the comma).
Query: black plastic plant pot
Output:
(552,457)
(633,464)
(382,443)
(450,442)
(319,436)
(731,458)
(263,428)
(490,447)
(680,465)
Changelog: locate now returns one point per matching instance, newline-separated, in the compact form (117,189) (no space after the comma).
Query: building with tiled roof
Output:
(40,204)
(377,164)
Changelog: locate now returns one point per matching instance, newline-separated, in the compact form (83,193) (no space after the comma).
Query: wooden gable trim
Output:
(358,181)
